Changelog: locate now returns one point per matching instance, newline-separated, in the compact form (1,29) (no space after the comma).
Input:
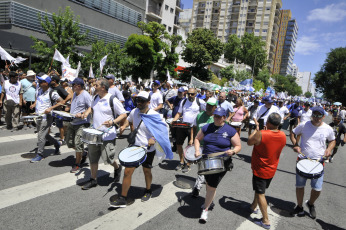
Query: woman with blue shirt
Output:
(217,137)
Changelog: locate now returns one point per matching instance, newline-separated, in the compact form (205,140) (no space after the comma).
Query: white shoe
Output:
(204,216)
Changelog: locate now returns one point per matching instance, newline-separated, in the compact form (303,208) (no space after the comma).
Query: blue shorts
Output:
(316,184)
(59,123)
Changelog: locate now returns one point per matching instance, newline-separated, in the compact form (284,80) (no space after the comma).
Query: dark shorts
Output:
(26,108)
(148,163)
(59,123)
(181,134)
(260,185)
(293,121)
(213,180)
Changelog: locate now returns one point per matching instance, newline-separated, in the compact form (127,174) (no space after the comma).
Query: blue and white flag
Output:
(246,82)
(159,129)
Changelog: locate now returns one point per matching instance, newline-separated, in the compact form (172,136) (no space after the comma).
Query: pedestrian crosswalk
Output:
(51,193)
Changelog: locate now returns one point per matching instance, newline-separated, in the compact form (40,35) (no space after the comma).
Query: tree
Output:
(202,48)
(258,85)
(286,84)
(246,50)
(264,77)
(241,75)
(331,79)
(308,94)
(228,72)
(63,31)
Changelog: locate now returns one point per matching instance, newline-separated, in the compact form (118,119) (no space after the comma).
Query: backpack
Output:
(111,104)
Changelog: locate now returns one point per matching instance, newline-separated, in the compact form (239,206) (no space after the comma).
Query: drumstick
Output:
(216,154)
(137,148)
(309,157)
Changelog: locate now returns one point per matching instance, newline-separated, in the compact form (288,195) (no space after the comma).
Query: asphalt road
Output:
(46,196)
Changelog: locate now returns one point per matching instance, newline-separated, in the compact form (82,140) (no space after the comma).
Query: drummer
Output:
(313,135)
(81,101)
(217,137)
(104,120)
(143,138)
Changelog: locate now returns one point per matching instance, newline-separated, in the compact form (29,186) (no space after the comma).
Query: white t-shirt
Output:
(156,99)
(305,115)
(313,138)
(116,92)
(283,111)
(43,101)
(262,109)
(12,91)
(102,112)
(143,134)
(191,109)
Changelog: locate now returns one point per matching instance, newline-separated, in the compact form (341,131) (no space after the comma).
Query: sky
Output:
(322,27)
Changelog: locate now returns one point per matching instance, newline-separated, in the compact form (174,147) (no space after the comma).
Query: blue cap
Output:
(110,76)
(267,99)
(220,111)
(78,81)
(156,82)
(181,90)
(318,109)
(45,78)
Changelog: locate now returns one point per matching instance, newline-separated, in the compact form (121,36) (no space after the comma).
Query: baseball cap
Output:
(267,99)
(170,82)
(30,73)
(220,111)
(143,94)
(156,82)
(78,81)
(318,109)
(212,101)
(181,90)
(45,78)
(110,76)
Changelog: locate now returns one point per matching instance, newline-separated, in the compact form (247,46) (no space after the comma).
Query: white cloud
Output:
(336,37)
(307,45)
(330,13)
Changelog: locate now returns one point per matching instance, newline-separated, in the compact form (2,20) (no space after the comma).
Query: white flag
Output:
(19,59)
(6,56)
(68,72)
(103,62)
(91,74)
(58,57)
(168,76)
(78,69)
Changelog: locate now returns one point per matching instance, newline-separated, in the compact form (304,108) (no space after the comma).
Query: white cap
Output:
(212,101)
(170,82)
(30,73)
(144,94)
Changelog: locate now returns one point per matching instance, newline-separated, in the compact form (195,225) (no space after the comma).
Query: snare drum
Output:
(92,136)
(132,156)
(61,115)
(252,123)
(31,118)
(211,165)
(189,154)
(169,121)
(310,169)
(235,124)
(181,124)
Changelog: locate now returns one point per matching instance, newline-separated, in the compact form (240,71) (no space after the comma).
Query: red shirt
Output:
(265,156)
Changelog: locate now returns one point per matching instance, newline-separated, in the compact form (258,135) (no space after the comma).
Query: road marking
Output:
(248,224)
(137,214)
(16,158)
(21,193)
(17,138)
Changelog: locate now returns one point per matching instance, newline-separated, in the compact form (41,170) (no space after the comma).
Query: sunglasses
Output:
(316,115)
(191,94)
(140,100)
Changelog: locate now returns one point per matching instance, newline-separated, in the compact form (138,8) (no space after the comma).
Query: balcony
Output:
(154,10)
(179,6)
(253,3)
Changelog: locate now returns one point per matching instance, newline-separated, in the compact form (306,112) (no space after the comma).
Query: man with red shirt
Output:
(268,145)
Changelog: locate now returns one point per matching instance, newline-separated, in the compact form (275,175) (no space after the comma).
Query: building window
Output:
(166,7)
(169,29)
(172,10)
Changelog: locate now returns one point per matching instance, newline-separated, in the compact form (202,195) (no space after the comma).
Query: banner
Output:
(68,73)
(200,84)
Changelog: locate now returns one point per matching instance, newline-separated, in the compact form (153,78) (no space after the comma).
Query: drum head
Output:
(235,123)
(93,131)
(169,121)
(132,154)
(189,153)
(310,167)
(29,117)
(62,113)
(252,122)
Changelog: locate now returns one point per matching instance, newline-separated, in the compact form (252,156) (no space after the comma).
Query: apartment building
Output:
(185,20)
(295,70)
(226,17)
(303,80)
(165,12)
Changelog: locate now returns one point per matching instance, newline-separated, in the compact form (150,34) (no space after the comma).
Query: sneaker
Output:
(211,206)
(75,168)
(326,161)
(204,216)
(90,184)
(261,224)
(38,158)
(179,167)
(146,195)
(62,142)
(195,192)
(84,157)
(57,148)
(312,210)
(119,203)
(299,211)
(117,173)
(186,169)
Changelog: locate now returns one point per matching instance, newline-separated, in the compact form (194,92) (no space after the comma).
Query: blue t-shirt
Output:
(200,96)
(295,110)
(29,90)
(217,139)
(176,102)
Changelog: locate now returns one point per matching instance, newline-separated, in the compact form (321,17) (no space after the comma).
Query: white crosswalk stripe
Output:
(22,137)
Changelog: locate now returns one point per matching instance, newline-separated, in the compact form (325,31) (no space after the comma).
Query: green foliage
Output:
(202,48)
(141,48)
(264,77)
(242,75)
(286,84)
(246,50)
(331,79)
(215,80)
(308,94)
(228,72)
(64,33)
(258,85)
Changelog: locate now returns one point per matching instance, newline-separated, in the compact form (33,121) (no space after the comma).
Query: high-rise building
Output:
(303,80)
(165,12)
(295,70)
(185,20)
(226,17)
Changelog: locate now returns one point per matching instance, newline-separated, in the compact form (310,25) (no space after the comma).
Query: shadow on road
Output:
(326,226)
(190,207)
(243,157)
(169,164)
(280,207)
(235,206)
(68,161)
(137,192)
